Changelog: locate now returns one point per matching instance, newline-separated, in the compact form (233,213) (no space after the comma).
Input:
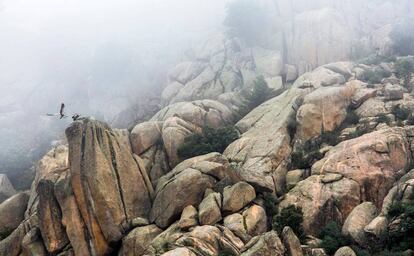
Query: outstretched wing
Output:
(62,108)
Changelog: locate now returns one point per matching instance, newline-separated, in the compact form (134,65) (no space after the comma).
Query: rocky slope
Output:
(329,142)
(114,192)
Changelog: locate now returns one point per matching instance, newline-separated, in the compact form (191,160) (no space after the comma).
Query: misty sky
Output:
(97,56)
(53,41)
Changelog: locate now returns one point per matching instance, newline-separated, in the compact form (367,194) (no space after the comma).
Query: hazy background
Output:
(97,56)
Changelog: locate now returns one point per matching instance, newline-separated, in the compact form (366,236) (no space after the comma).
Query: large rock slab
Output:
(12,212)
(107,182)
(71,218)
(210,209)
(291,242)
(50,216)
(323,110)
(264,146)
(356,221)
(54,160)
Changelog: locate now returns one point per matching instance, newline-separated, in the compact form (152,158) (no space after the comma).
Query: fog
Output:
(97,56)
(110,59)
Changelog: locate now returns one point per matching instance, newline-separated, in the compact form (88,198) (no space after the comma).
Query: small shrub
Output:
(410,120)
(259,93)
(270,203)
(375,59)
(291,216)
(351,118)
(404,69)
(402,237)
(375,76)
(401,113)
(225,253)
(383,118)
(357,133)
(291,127)
(211,140)
(5,233)
(305,156)
(332,238)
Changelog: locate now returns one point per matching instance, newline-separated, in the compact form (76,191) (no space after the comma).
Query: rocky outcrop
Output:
(158,140)
(6,188)
(222,65)
(107,182)
(185,185)
(323,110)
(55,160)
(264,146)
(263,150)
(340,181)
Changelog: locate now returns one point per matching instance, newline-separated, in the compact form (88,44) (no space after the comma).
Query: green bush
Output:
(351,118)
(211,140)
(248,20)
(304,157)
(401,113)
(5,233)
(270,204)
(332,238)
(375,76)
(375,59)
(259,93)
(402,237)
(383,118)
(225,253)
(291,216)
(404,69)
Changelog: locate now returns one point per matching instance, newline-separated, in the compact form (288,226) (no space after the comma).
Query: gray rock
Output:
(345,251)
(188,218)
(291,242)
(237,196)
(210,209)
(356,221)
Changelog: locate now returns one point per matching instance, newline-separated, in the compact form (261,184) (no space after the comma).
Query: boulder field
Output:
(120,192)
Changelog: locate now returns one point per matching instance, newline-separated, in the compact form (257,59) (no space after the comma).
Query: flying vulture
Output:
(61,113)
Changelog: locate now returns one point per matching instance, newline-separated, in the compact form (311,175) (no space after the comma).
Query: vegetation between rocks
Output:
(306,155)
(375,76)
(404,69)
(291,216)
(5,233)
(400,236)
(210,140)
